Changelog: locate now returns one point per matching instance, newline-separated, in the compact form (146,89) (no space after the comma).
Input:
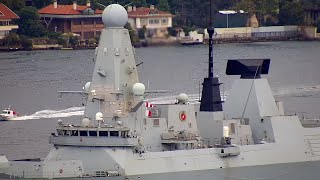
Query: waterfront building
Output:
(74,18)
(155,21)
(6,17)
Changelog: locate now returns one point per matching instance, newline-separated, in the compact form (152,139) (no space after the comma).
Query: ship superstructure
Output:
(123,137)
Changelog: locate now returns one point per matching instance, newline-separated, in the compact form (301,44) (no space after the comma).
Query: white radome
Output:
(86,122)
(115,15)
(183,98)
(138,89)
(86,87)
(99,116)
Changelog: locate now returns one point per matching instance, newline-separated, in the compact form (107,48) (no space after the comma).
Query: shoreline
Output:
(164,42)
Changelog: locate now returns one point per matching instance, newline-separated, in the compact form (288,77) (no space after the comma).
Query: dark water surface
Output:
(29,82)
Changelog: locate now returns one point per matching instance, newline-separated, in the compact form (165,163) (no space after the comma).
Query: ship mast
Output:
(211,97)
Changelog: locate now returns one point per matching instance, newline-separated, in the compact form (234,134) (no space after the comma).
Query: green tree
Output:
(163,5)
(133,34)
(14,5)
(291,13)
(41,3)
(12,39)
(29,23)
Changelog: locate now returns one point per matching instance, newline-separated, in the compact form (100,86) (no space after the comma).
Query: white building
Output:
(156,22)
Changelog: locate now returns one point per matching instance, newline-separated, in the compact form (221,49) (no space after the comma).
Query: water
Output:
(29,82)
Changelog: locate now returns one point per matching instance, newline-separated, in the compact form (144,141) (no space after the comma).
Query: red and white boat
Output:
(7,114)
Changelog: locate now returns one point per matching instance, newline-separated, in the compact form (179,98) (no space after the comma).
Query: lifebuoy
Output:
(183,116)
(60,171)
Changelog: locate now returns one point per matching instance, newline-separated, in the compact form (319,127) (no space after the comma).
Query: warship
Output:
(121,136)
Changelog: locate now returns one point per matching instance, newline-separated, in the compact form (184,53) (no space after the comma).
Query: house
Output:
(6,17)
(77,19)
(155,21)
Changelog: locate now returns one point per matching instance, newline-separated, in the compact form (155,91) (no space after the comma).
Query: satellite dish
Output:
(138,89)
(86,87)
(183,98)
(99,116)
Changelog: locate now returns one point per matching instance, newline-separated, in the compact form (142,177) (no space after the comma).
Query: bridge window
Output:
(103,133)
(124,134)
(74,133)
(83,133)
(114,133)
(92,133)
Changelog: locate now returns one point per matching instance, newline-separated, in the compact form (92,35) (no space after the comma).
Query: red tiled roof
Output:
(6,13)
(65,10)
(144,11)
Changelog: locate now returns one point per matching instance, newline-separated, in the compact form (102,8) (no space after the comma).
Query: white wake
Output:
(48,114)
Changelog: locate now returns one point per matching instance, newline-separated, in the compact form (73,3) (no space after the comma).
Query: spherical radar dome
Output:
(115,15)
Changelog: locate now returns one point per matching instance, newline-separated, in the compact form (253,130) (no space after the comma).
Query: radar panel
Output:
(248,68)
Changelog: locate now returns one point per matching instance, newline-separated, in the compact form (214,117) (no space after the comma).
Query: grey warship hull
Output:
(286,171)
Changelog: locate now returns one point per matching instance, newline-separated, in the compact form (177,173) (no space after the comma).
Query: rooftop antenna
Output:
(211,97)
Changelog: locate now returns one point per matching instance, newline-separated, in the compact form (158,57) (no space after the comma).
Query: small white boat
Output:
(7,114)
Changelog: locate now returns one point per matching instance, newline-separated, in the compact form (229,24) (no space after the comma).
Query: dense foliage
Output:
(188,13)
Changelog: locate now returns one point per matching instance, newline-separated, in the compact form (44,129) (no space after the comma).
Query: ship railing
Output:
(57,175)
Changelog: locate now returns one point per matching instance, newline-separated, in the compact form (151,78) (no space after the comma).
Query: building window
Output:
(76,22)
(88,35)
(143,22)
(156,122)
(99,21)
(145,121)
(190,125)
(153,21)
(164,21)
(88,22)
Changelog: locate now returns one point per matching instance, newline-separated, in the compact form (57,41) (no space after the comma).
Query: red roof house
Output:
(6,16)
(78,19)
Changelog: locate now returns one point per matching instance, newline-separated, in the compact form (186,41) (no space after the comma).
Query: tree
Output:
(291,13)
(29,24)
(133,34)
(14,5)
(12,39)
(41,3)
(163,5)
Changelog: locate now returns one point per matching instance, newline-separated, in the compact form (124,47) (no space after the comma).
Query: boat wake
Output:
(48,114)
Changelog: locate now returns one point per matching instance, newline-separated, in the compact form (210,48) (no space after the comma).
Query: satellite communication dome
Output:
(182,98)
(86,122)
(115,15)
(138,89)
(99,116)
(59,122)
(87,87)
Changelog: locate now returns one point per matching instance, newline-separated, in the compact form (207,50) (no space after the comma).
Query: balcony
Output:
(8,27)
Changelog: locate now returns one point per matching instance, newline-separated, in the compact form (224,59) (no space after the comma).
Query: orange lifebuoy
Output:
(60,171)
(183,116)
